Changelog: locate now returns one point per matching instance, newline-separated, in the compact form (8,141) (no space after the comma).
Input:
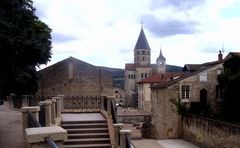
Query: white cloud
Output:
(104,32)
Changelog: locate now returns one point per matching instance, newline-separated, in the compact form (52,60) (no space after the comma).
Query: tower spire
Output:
(161,62)
(142,24)
(222,47)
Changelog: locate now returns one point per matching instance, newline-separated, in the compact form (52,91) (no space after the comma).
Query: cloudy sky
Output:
(104,32)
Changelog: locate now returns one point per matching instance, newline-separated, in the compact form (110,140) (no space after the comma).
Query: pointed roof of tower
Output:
(161,57)
(142,42)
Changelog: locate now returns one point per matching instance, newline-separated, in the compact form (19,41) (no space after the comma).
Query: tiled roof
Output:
(230,54)
(130,66)
(204,67)
(160,78)
(142,42)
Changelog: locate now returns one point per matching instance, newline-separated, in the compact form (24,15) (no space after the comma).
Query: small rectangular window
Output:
(185,91)
(141,75)
(143,52)
(145,75)
(129,76)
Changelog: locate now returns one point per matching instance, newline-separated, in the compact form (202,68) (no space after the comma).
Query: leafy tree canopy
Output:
(230,82)
(25,42)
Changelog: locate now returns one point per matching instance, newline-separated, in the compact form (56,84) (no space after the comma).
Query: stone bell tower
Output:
(161,63)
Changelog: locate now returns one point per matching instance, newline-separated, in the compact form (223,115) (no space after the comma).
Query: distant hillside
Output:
(173,68)
(118,74)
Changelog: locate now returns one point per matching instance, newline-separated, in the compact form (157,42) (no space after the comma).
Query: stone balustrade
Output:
(52,111)
(52,116)
(82,103)
(121,136)
(86,103)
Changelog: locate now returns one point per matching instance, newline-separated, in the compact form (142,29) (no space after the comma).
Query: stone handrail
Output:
(52,110)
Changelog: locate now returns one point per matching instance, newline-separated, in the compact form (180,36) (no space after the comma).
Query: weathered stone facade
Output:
(73,77)
(201,87)
(144,87)
(166,123)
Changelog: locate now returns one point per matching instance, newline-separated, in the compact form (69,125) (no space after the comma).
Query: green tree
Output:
(230,82)
(25,42)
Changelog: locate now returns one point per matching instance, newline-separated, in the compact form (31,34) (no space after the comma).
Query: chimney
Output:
(220,56)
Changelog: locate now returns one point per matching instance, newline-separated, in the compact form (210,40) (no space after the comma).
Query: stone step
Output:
(87,141)
(88,135)
(105,145)
(85,121)
(87,130)
(84,125)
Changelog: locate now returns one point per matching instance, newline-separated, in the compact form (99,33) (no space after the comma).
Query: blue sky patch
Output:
(231,12)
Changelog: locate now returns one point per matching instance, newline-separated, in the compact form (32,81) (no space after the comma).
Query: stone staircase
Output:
(87,134)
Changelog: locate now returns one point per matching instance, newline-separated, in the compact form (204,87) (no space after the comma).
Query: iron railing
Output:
(129,143)
(113,111)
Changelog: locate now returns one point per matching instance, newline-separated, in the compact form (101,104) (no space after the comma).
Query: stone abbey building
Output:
(141,68)
(75,77)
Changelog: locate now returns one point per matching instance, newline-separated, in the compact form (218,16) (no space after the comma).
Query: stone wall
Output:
(128,118)
(75,77)
(210,133)
(166,122)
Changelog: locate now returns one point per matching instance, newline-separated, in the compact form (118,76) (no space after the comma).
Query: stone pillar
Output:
(109,101)
(32,109)
(102,102)
(123,137)
(12,97)
(47,106)
(36,137)
(53,110)
(59,106)
(25,100)
(62,107)
(117,128)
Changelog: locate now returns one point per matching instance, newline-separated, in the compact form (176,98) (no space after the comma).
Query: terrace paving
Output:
(11,133)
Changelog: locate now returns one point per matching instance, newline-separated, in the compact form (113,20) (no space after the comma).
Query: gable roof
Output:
(66,60)
(230,54)
(160,78)
(191,67)
(204,67)
(142,42)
